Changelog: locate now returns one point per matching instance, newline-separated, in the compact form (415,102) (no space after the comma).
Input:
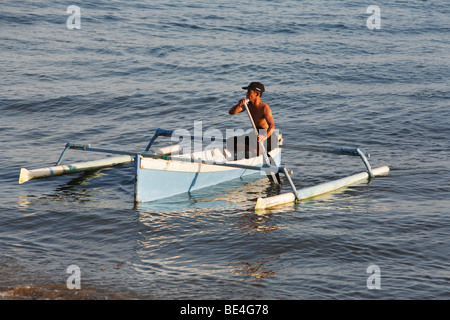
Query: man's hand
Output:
(242,103)
(261,137)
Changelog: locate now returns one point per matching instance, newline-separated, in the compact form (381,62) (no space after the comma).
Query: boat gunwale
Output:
(197,164)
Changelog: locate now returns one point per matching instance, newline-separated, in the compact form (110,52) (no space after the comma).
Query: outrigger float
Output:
(160,175)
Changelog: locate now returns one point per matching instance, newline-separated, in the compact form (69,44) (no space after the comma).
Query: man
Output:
(260,111)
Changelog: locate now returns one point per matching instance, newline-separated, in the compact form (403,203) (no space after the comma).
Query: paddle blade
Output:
(274,177)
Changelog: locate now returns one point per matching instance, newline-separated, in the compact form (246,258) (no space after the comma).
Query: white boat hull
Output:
(158,179)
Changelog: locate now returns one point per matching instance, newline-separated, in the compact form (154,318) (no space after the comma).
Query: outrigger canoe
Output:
(161,173)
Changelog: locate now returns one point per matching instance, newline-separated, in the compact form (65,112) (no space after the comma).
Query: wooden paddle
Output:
(273,176)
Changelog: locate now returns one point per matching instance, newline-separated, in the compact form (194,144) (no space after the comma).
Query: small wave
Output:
(185,25)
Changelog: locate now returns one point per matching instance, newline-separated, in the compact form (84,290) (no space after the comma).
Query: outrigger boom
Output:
(156,167)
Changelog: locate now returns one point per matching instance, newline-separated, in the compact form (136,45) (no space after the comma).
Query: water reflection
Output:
(24,202)
(258,269)
(251,222)
(181,241)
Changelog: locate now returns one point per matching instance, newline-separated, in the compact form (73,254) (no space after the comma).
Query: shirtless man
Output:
(260,111)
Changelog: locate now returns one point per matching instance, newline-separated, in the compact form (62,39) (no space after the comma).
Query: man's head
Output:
(258,87)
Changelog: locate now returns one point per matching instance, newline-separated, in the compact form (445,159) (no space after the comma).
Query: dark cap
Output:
(255,86)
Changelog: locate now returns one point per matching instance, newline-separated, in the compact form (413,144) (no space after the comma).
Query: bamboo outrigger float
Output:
(57,170)
(159,174)
(311,192)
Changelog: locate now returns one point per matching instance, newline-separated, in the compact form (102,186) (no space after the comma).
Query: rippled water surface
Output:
(135,66)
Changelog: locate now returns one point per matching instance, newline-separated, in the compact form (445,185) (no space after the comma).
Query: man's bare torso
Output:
(259,114)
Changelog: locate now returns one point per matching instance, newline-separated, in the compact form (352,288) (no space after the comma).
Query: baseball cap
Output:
(256,86)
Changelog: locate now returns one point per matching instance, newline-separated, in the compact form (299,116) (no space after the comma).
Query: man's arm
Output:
(269,118)
(237,108)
